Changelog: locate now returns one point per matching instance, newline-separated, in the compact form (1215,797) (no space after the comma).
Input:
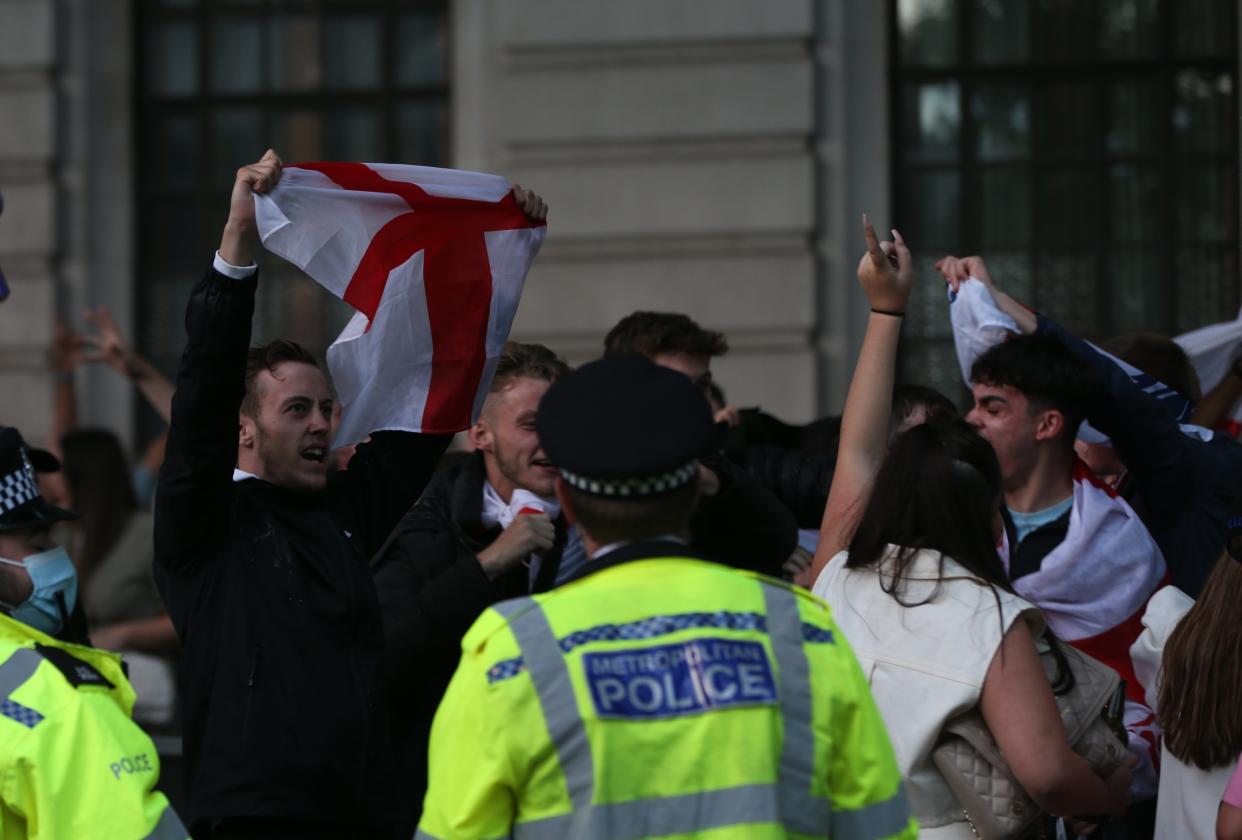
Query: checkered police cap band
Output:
(18,487)
(633,488)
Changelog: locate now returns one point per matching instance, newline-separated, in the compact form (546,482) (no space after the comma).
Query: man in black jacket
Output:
(263,569)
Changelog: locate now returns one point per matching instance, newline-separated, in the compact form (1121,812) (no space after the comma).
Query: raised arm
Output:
(192,503)
(885,274)
(107,346)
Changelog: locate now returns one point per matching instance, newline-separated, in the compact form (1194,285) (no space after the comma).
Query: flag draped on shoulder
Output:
(432,260)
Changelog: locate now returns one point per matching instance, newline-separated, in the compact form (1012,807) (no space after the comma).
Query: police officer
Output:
(657,693)
(74,763)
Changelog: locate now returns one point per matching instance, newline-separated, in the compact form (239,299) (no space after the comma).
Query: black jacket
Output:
(269,592)
(801,480)
(431,587)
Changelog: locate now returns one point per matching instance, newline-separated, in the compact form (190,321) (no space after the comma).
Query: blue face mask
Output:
(52,573)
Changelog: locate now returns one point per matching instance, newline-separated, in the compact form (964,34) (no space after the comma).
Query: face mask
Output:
(53,575)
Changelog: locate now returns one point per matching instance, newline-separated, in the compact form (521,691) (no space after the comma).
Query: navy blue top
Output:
(1180,486)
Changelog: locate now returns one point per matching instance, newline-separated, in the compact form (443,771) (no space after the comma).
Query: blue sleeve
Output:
(1143,430)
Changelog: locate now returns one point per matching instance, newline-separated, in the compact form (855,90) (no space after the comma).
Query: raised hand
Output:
(956,269)
(237,243)
(531,204)
(64,354)
(885,272)
(107,345)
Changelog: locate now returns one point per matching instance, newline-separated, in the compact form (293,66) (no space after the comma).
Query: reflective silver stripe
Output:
(874,821)
(657,817)
(169,827)
(427,835)
(550,674)
(800,811)
(19,667)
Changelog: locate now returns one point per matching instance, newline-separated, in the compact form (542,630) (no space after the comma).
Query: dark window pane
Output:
(933,363)
(1205,28)
(1003,121)
(1135,117)
(420,129)
(1004,209)
(293,61)
(1070,121)
(1137,292)
(927,31)
(237,138)
(298,134)
(420,49)
(1203,119)
(1062,30)
(1067,288)
(1204,300)
(236,53)
(930,121)
(174,225)
(1130,28)
(172,58)
(176,148)
(1135,204)
(353,134)
(1001,32)
(352,50)
(1207,202)
(931,200)
(1069,210)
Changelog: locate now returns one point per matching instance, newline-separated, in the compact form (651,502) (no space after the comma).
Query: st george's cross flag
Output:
(432,260)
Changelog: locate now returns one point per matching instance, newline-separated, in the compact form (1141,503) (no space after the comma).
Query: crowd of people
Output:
(616,606)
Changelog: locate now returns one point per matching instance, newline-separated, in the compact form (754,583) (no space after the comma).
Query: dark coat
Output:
(268,589)
(431,588)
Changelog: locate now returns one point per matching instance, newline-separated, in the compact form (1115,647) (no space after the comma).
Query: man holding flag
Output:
(260,557)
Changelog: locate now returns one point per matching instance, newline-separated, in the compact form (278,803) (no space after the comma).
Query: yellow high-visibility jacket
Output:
(663,697)
(73,764)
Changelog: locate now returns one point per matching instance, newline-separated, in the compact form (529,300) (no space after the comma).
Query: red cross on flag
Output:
(434,261)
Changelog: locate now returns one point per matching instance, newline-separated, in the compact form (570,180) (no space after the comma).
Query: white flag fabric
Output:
(433,260)
(1212,351)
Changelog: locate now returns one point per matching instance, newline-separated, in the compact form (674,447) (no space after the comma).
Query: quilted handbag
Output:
(993,802)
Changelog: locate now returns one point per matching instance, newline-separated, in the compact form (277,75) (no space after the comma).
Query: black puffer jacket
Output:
(270,594)
(431,588)
(800,480)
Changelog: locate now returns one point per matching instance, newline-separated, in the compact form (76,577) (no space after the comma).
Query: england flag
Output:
(433,260)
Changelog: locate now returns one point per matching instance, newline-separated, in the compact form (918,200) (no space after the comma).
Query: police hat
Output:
(623,427)
(21,506)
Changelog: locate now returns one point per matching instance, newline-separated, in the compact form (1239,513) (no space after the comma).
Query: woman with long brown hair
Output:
(1199,695)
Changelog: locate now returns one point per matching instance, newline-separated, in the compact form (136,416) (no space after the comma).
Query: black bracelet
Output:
(888,312)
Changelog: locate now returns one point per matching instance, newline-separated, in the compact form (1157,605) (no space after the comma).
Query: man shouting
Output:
(261,559)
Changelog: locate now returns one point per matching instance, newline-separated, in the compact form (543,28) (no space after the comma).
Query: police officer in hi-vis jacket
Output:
(656,693)
(73,763)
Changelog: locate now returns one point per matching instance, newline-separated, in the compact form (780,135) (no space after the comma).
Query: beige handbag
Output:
(995,805)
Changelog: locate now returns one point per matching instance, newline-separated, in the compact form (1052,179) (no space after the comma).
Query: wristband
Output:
(891,312)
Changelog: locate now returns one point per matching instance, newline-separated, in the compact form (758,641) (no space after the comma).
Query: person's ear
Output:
(562,498)
(481,436)
(247,433)
(1050,424)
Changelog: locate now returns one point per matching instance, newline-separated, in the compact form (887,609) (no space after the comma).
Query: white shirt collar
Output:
(242,475)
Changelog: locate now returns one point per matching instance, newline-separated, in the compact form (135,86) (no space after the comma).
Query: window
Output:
(1087,148)
(221,81)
